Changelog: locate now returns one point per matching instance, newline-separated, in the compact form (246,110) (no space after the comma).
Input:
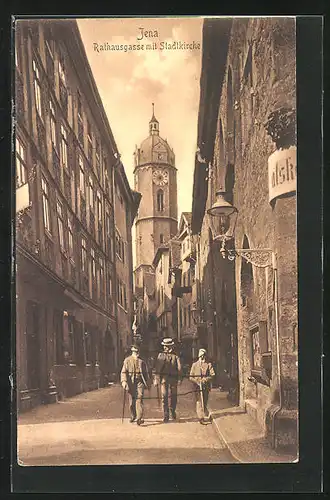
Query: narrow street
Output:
(88,430)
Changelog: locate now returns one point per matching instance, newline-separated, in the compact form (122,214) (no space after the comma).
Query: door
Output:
(33,344)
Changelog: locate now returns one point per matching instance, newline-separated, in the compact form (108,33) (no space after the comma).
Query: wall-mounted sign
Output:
(282,172)
(22,197)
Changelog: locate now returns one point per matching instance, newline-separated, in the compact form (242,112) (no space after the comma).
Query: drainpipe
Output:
(274,264)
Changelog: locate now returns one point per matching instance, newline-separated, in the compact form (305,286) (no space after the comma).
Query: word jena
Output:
(147,34)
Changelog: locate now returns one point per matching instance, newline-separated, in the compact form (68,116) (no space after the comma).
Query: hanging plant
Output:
(281,127)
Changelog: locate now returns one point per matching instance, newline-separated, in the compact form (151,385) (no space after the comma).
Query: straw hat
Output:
(167,342)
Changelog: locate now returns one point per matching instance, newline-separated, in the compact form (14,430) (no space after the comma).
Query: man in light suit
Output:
(201,374)
(168,374)
(135,379)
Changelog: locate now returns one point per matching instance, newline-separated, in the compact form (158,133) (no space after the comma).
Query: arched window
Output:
(161,238)
(160,200)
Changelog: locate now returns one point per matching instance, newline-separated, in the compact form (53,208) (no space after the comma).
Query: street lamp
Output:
(223,217)
(259,257)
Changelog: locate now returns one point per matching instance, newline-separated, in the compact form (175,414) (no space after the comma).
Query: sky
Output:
(129,82)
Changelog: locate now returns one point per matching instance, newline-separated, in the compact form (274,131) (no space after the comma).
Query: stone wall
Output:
(259,78)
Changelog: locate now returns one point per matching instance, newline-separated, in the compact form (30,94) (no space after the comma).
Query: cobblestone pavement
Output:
(88,429)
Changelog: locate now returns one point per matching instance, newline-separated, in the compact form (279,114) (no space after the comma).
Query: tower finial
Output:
(153,124)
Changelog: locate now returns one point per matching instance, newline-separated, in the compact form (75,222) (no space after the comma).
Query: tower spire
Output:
(153,124)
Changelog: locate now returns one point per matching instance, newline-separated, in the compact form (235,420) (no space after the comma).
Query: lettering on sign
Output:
(282,172)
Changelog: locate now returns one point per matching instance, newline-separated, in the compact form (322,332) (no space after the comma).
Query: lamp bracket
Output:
(258,257)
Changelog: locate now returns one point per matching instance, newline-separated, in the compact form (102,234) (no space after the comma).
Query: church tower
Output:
(155,178)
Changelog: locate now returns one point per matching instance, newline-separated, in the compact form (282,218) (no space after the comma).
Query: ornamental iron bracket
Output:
(258,257)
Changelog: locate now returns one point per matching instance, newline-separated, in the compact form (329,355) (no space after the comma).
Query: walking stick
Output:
(202,396)
(124,401)
(158,396)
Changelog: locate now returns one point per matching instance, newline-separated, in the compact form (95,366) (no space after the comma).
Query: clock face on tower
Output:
(160,178)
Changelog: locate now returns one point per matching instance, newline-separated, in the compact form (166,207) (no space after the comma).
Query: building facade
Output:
(66,270)
(187,328)
(247,148)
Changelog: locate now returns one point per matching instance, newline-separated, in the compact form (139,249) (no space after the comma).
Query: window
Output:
(106,181)
(91,194)
(109,235)
(101,286)
(81,177)
(49,44)
(160,200)
(161,238)
(21,171)
(83,255)
(61,70)
(80,119)
(37,88)
(70,237)
(59,210)
(99,207)
(256,352)
(121,294)
(97,158)
(52,123)
(45,205)
(64,147)
(93,263)
(89,142)
(120,247)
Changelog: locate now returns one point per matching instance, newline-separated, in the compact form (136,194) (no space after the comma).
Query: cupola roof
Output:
(154,149)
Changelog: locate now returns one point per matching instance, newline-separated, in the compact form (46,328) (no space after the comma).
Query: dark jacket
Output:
(168,367)
(202,372)
(133,370)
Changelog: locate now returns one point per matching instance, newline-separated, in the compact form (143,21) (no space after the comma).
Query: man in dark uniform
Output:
(135,379)
(168,371)
(201,374)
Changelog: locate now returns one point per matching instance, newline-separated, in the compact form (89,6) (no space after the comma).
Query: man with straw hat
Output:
(135,379)
(201,375)
(168,372)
